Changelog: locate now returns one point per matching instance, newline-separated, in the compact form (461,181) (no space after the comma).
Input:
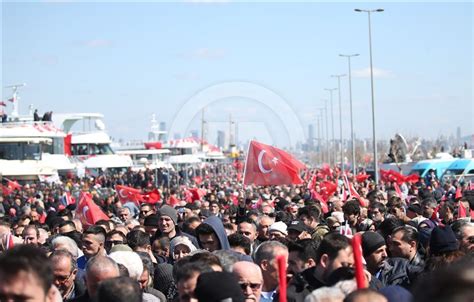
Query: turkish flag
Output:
(87,211)
(412,178)
(5,190)
(267,165)
(3,103)
(13,185)
(362,177)
(196,194)
(126,194)
(152,197)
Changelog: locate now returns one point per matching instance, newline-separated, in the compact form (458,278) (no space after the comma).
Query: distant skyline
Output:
(130,60)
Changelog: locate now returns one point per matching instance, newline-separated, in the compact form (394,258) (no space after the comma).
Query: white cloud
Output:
(378,73)
(97,43)
(205,54)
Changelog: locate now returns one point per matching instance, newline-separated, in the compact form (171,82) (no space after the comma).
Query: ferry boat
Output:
(32,150)
(90,146)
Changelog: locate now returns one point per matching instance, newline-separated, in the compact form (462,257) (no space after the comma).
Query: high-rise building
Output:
(311,136)
(221,139)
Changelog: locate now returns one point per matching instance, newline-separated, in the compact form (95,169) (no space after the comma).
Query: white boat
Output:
(31,150)
(90,146)
(147,158)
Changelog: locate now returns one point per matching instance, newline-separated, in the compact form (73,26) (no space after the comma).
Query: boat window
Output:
(58,145)
(20,151)
(79,149)
(101,149)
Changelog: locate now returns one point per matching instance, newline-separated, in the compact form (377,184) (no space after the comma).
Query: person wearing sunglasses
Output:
(250,280)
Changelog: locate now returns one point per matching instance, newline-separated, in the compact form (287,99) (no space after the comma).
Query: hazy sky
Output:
(267,64)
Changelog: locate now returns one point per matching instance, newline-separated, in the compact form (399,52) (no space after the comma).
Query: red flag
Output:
(412,178)
(88,212)
(128,194)
(397,189)
(5,190)
(461,210)
(282,264)
(152,197)
(267,165)
(13,185)
(197,179)
(434,216)
(67,144)
(324,206)
(458,193)
(328,187)
(172,201)
(362,177)
(326,170)
(197,194)
(359,268)
(3,104)
(11,100)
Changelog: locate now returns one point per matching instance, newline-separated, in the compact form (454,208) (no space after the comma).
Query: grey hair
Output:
(68,243)
(267,251)
(325,294)
(65,254)
(459,226)
(101,263)
(227,259)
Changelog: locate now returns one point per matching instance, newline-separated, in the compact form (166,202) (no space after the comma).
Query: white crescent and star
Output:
(260,164)
(123,196)
(85,209)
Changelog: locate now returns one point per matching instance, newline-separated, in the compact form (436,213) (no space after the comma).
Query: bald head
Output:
(250,278)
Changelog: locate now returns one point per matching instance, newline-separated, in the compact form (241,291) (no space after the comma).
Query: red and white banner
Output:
(267,165)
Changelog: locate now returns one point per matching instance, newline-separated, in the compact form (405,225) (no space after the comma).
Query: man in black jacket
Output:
(335,251)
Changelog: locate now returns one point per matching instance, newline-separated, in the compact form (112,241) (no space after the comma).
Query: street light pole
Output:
(322,133)
(339,76)
(327,131)
(354,164)
(372,92)
(332,122)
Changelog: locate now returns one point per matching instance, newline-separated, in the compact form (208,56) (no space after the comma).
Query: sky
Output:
(265,65)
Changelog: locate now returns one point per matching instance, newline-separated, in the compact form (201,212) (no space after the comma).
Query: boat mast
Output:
(15,98)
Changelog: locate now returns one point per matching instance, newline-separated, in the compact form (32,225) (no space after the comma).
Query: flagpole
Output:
(245,165)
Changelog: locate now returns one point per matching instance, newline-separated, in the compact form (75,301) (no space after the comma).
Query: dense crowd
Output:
(212,239)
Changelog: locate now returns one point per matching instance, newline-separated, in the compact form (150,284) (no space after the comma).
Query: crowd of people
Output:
(212,239)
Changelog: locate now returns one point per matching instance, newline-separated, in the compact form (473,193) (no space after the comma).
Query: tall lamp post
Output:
(354,164)
(376,168)
(332,122)
(321,112)
(327,131)
(339,76)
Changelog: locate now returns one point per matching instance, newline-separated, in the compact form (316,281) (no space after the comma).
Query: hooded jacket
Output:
(218,228)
